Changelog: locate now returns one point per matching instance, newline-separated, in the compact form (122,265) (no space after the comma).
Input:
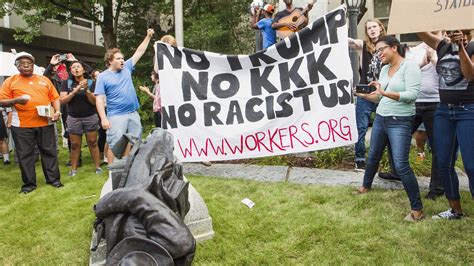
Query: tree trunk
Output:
(110,37)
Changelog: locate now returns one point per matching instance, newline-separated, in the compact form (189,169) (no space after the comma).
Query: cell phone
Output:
(63,57)
(364,88)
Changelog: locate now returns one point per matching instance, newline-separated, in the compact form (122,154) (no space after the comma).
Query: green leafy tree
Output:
(220,26)
(213,25)
(105,13)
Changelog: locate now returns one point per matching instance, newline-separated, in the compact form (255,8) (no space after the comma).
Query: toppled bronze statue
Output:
(142,218)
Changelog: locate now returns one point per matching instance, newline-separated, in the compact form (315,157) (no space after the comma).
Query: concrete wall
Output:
(82,35)
(55,30)
(16,21)
(44,47)
(67,31)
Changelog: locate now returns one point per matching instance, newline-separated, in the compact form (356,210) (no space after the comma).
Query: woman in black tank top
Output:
(78,94)
(369,70)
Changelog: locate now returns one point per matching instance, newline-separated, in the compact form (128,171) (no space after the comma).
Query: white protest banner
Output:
(408,16)
(294,97)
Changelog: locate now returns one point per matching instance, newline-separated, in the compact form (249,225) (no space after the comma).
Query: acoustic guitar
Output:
(298,17)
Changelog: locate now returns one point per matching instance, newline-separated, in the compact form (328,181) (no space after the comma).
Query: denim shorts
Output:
(81,125)
(122,124)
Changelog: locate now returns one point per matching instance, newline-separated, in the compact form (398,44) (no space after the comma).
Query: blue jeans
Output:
(425,114)
(364,109)
(122,124)
(453,126)
(396,131)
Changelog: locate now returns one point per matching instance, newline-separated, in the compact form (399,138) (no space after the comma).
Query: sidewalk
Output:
(300,175)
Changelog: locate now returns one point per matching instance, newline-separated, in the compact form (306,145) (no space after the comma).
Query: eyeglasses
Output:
(381,49)
(23,63)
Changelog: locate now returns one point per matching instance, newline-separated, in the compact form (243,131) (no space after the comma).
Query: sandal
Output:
(421,156)
(361,190)
(411,217)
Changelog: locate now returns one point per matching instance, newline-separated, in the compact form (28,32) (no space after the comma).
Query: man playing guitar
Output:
(291,19)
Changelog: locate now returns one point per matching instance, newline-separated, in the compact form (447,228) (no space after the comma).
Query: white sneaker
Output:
(72,173)
(65,143)
(448,215)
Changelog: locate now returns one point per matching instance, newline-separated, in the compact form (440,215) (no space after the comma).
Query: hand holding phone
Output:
(364,88)
(62,57)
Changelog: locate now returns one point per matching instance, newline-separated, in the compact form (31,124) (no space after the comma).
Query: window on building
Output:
(82,23)
(382,8)
(382,12)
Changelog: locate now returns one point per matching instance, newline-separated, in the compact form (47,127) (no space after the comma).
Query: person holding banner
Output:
(396,92)
(115,84)
(155,96)
(454,117)
(370,66)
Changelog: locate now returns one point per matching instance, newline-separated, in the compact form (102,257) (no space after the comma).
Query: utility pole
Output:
(178,21)
(353,12)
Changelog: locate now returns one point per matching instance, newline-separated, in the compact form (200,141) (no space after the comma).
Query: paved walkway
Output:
(300,175)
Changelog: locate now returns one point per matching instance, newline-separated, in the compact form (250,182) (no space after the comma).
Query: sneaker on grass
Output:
(448,215)
(72,173)
(98,170)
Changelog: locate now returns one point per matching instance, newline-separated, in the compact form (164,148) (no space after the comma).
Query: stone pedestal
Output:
(198,221)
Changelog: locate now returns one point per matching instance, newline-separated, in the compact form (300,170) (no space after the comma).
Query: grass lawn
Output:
(48,226)
(290,224)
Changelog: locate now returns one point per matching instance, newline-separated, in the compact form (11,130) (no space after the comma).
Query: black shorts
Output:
(79,126)
(3,128)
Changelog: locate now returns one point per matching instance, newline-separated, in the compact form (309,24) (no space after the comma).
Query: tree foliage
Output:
(213,25)
(106,14)
(218,25)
